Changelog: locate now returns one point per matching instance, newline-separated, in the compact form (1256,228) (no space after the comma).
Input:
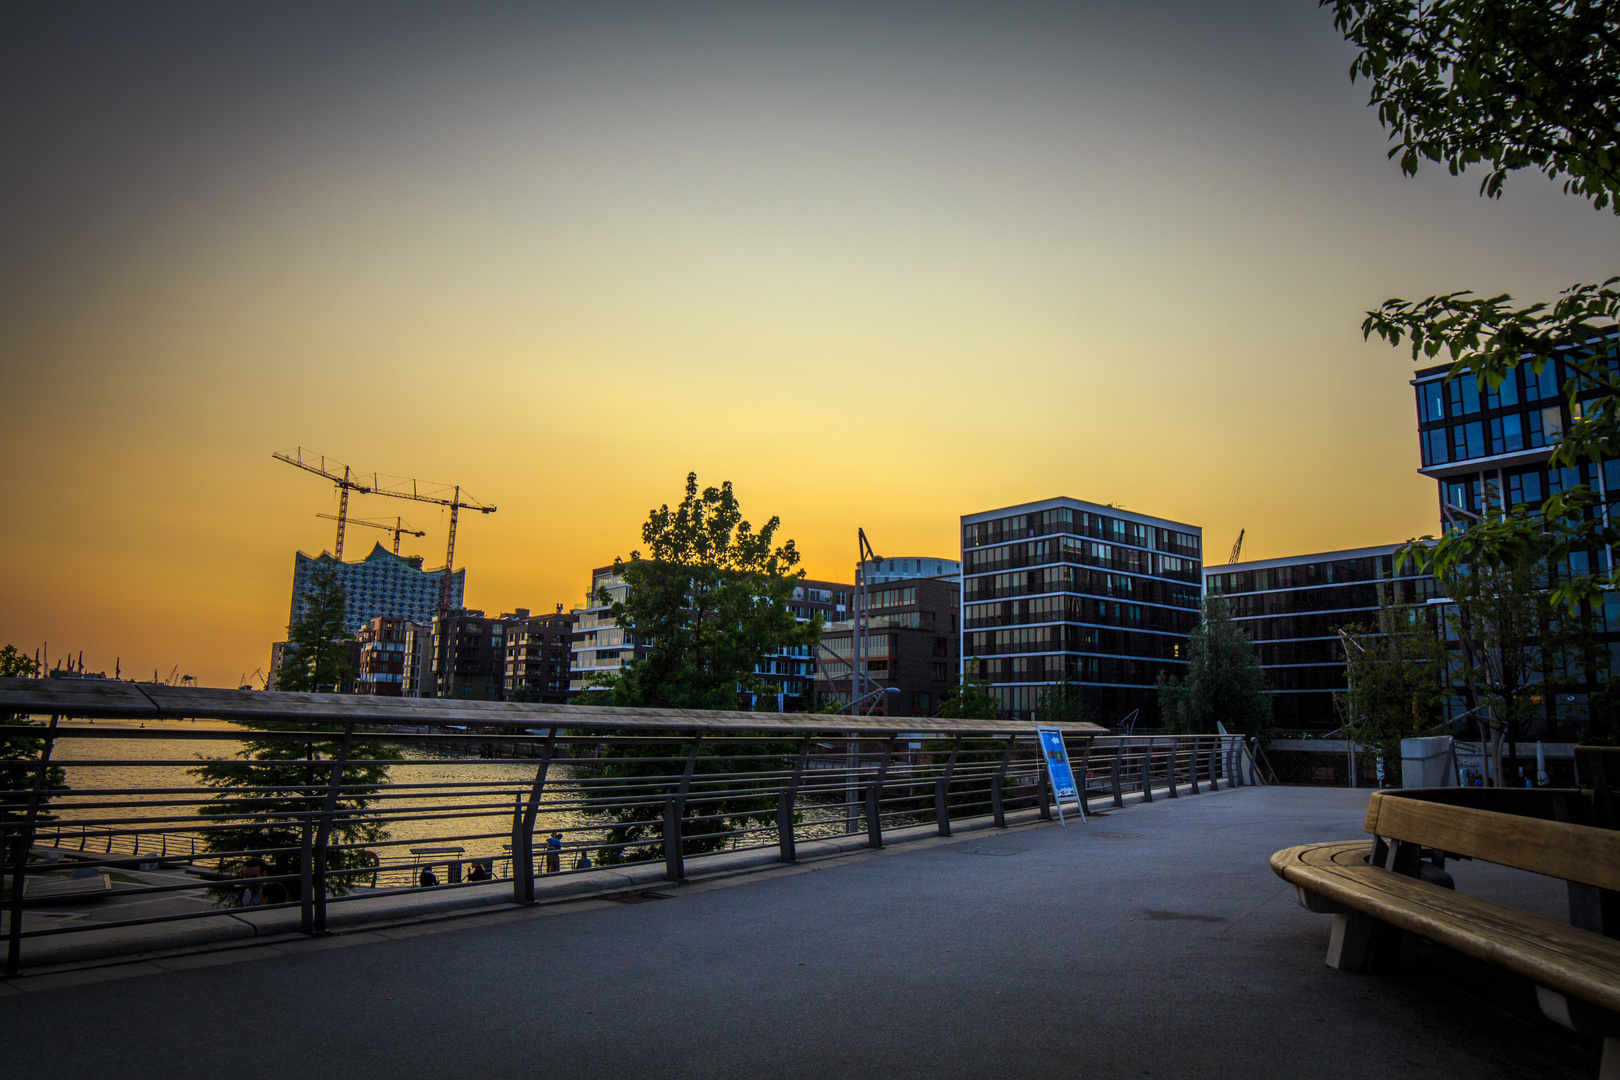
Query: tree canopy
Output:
(1509,85)
(315,659)
(1396,678)
(19,753)
(711,601)
(1224,682)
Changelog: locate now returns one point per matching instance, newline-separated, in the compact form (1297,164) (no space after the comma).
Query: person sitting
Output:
(274,892)
(428,878)
(476,872)
(254,868)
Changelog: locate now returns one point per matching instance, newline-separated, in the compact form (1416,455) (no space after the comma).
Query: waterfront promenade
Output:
(1153,941)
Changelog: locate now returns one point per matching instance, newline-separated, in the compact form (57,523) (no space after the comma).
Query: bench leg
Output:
(1361,943)
(1350,946)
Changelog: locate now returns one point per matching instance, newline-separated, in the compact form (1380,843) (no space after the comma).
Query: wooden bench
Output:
(1386,892)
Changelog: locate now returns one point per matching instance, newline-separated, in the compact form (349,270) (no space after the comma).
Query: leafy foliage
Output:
(711,601)
(1396,674)
(1224,681)
(315,658)
(1510,84)
(1516,642)
(1063,702)
(277,784)
(971,700)
(19,754)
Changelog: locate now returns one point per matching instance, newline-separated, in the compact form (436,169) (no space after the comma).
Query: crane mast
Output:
(416,491)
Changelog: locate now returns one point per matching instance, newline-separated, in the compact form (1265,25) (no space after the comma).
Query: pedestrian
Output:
(253,869)
(554,853)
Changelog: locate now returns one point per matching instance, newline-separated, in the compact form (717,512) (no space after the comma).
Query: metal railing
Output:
(148,833)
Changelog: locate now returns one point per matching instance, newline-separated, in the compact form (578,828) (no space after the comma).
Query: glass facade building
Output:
(380,584)
(1490,450)
(1293,609)
(1064,589)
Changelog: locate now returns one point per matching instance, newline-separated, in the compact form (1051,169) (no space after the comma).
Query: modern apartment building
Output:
(910,650)
(1063,589)
(539,656)
(600,646)
(380,584)
(1293,608)
(1492,449)
(382,656)
(467,655)
(791,672)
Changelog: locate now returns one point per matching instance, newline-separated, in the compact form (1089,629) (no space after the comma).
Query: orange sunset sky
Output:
(880,265)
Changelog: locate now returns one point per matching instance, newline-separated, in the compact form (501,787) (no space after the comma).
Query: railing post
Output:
(523,835)
(25,841)
(1214,755)
(306,881)
(324,836)
(874,798)
(1083,781)
(784,827)
(1113,773)
(1147,771)
(674,811)
(674,863)
(784,806)
(998,809)
(1170,771)
(1192,766)
(942,788)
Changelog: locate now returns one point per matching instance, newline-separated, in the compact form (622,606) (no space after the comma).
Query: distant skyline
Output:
(879,265)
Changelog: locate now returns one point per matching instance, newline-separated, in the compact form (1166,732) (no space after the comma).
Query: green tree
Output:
(315,658)
(19,754)
(971,700)
(264,796)
(1224,680)
(711,600)
(1396,674)
(1506,85)
(1063,702)
(1517,643)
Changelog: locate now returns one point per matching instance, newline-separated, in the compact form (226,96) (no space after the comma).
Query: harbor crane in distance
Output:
(398,528)
(1237,549)
(321,465)
(449,495)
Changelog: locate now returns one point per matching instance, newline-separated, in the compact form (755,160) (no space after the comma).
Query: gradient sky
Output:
(880,265)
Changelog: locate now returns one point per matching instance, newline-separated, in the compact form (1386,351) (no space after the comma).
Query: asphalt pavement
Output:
(1152,941)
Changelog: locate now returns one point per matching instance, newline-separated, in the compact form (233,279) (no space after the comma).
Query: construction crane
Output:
(321,465)
(1237,548)
(398,528)
(394,488)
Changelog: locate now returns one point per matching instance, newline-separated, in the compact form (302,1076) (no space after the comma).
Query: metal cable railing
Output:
(139,834)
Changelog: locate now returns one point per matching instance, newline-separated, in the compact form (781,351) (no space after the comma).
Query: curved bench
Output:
(1383,895)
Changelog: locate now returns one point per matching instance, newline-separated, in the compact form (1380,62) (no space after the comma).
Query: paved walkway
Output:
(1154,941)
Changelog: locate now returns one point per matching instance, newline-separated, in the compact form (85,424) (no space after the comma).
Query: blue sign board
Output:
(1057,767)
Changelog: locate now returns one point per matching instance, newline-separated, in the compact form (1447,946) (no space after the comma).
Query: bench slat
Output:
(1571,852)
(1574,962)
